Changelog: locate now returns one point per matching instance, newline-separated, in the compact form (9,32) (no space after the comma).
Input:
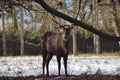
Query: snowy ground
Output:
(28,66)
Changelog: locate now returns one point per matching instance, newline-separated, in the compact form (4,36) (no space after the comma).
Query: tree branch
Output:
(32,44)
(76,22)
(78,9)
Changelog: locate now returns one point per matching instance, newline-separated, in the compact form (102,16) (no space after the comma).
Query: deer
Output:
(57,44)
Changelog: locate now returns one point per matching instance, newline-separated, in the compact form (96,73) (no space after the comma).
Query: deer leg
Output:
(59,64)
(44,53)
(49,57)
(65,64)
(43,66)
(44,60)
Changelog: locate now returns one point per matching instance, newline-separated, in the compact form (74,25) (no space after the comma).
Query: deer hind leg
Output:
(44,61)
(48,58)
(59,64)
(65,64)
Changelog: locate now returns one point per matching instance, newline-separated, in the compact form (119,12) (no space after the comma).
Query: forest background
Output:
(21,27)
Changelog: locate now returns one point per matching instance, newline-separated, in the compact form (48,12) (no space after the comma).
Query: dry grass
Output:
(96,76)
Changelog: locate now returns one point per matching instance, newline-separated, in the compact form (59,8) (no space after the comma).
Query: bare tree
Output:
(76,22)
(3,30)
(74,29)
(96,37)
(21,33)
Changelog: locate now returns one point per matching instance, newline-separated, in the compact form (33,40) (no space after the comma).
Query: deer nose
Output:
(65,38)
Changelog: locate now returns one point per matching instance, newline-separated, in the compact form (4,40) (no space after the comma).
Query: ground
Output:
(72,77)
(79,68)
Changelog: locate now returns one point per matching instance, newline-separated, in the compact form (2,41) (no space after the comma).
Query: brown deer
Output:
(56,44)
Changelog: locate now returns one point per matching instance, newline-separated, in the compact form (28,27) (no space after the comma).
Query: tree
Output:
(14,20)
(76,22)
(74,29)
(21,32)
(12,14)
(3,29)
(96,20)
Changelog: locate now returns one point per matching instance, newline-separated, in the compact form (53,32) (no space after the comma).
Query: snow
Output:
(32,66)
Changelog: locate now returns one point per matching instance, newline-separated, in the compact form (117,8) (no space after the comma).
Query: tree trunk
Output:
(96,37)
(14,20)
(74,42)
(3,31)
(96,44)
(21,33)
(74,30)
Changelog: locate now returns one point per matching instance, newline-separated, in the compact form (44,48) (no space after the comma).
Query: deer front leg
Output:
(65,64)
(49,57)
(43,66)
(59,64)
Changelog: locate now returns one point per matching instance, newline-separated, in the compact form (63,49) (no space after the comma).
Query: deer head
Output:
(65,30)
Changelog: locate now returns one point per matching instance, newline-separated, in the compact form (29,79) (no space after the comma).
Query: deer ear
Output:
(61,28)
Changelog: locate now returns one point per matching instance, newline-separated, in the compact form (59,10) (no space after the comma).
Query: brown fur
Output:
(55,44)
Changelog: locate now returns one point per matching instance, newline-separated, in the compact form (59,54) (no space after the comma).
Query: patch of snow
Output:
(28,66)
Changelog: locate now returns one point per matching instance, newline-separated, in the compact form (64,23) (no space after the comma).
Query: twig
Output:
(78,9)
(32,44)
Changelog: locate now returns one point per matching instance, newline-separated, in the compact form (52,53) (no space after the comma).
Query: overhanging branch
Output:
(76,22)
